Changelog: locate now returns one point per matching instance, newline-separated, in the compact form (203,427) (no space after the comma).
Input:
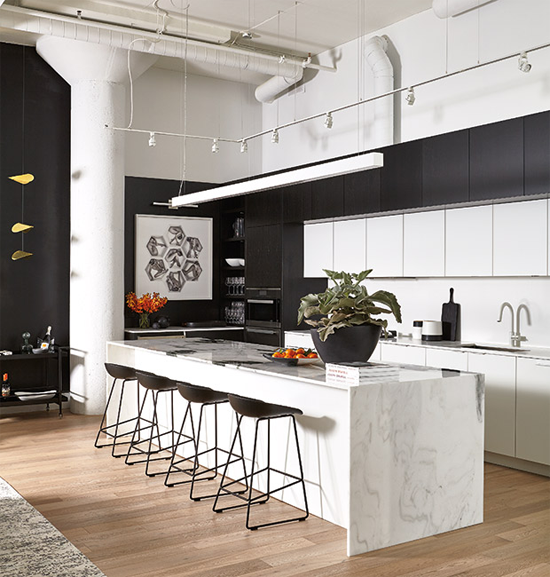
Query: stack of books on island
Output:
(360,373)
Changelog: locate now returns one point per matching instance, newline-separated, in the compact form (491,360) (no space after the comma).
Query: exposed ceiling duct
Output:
(284,73)
(382,69)
(448,8)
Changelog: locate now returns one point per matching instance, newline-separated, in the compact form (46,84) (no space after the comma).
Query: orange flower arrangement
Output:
(145,305)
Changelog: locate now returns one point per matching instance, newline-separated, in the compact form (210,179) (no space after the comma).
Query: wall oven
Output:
(263,308)
(263,316)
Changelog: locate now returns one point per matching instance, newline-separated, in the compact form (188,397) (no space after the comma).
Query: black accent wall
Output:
(34,137)
(140,193)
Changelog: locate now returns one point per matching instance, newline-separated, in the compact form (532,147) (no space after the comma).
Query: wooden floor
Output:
(132,526)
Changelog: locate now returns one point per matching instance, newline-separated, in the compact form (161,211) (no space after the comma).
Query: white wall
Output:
(423,47)
(480,301)
(214,108)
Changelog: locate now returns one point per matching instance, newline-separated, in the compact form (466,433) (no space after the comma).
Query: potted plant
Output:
(346,330)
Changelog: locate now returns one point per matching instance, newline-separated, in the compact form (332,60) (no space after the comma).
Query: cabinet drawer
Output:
(402,354)
(454,360)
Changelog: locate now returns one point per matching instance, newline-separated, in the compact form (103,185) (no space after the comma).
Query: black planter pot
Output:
(348,344)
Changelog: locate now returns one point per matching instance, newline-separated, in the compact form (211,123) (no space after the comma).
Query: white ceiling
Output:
(281,26)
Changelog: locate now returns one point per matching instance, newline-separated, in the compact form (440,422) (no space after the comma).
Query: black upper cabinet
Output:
(496,160)
(264,256)
(263,208)
(445,168)
(327,197)
(297,203)
(362,192)
(401,176)
(537,153)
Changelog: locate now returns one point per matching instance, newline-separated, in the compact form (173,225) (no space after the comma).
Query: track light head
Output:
(410,98)
(152,139)
(329,121)
(275,136)
(523,63)
(244,146)
(215,146)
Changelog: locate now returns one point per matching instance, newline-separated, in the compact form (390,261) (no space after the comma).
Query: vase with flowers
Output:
(145,305)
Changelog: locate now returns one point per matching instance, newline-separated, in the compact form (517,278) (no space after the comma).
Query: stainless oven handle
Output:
(261,331)
(260,301)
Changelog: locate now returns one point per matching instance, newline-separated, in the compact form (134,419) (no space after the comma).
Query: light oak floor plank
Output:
(133,526)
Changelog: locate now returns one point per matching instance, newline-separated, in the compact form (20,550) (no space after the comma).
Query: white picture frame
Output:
(173,256)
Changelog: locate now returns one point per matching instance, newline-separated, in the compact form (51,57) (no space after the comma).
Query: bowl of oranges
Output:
(293,357)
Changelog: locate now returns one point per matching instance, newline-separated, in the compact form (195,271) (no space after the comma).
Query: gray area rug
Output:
(32,547)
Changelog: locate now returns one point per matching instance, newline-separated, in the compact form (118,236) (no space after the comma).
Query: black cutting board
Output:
(450,319)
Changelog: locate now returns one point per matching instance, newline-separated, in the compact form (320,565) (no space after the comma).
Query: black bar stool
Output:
(206,397)
(246,407)
(153,385)
(117,372)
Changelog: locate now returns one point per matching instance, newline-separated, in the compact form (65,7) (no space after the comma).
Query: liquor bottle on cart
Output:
(6,389)
(46,344)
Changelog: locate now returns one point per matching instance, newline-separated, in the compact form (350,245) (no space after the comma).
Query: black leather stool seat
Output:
(155,382)
(120,371)
(260,409)
(195,394)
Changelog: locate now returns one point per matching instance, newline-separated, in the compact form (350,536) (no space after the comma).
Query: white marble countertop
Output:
(250,357)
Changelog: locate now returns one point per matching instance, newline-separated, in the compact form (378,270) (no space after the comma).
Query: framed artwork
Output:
(174,256)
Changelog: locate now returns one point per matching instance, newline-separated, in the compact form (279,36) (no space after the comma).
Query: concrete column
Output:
(97,75)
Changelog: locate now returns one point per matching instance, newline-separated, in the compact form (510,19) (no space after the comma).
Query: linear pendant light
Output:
(297,176)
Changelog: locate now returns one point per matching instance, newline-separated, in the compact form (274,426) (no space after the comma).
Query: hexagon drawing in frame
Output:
(175,281)
(174,258)
(157,246)
(191,270)
(155,269)
(176,235)
(192,247)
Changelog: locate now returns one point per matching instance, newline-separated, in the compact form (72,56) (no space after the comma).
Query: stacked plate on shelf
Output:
(35,395)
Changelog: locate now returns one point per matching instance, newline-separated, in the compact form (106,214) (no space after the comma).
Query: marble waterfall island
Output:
(390,461)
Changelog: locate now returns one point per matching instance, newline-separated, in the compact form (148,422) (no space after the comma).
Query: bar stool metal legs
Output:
(126,374)
(154,385)
(207,398)
(262,412)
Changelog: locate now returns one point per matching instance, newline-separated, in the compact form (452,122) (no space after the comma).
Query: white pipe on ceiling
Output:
(35,22)
(382,69)
(447,8)
(270,89)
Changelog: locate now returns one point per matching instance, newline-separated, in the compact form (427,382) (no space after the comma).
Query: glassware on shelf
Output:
(234,313)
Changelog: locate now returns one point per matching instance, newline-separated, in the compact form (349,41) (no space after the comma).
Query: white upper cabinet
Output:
(469,241)
(318,249)
(424,244)
(385,245)
(520,238)
(350,245)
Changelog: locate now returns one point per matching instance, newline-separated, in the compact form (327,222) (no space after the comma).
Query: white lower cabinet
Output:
(403,354)
(533,410)
(454,360)
(500,400)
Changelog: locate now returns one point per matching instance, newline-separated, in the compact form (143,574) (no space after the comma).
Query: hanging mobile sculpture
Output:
(20,227)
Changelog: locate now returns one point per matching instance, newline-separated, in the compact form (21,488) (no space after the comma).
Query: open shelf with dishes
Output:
(233,265)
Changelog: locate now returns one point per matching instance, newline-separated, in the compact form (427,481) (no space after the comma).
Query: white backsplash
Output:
(480,300)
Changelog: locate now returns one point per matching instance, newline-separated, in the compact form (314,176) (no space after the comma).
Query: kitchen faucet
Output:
(515,334)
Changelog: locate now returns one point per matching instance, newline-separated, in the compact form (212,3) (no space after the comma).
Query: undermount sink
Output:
(495,348)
